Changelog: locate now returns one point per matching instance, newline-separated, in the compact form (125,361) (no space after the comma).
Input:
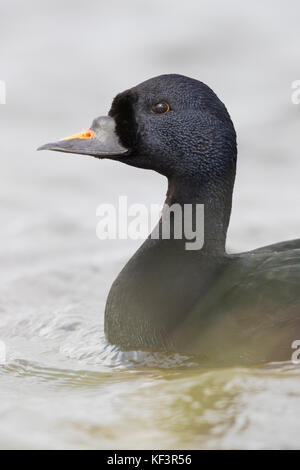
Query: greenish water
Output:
(62,386)
(127,406)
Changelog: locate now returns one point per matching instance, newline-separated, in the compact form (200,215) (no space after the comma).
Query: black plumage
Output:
(228,309)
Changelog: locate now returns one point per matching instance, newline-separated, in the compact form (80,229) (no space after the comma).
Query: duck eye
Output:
(160,108)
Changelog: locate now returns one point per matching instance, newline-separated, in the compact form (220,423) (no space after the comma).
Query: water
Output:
(62,385)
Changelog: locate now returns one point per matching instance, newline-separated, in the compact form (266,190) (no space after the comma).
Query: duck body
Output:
(234,309)
(226,309)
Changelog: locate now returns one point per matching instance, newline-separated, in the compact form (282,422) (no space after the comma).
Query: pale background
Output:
(63,62)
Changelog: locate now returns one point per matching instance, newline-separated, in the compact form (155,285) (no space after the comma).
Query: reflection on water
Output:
(63,386)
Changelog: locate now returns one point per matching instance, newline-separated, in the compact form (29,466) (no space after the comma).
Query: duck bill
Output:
(100,141)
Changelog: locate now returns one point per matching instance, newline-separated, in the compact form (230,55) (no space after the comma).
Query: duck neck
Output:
(216,199)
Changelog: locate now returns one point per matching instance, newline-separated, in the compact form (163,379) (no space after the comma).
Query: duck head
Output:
(171,124)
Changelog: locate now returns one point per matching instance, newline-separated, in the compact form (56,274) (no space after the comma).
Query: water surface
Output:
(62,385)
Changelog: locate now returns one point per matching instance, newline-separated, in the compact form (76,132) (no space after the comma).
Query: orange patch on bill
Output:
(88,134)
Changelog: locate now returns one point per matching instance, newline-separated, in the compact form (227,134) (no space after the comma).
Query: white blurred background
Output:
(63,62)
